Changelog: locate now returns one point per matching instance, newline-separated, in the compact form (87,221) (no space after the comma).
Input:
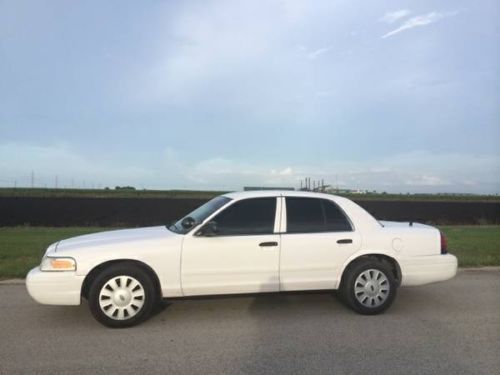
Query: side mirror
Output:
(188,222)
(208,230)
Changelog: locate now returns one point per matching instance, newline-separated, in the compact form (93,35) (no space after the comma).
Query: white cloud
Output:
(417,21)
(18,160)
(317,53)
(391,17)
(418,171)
(426,180)
(288,171)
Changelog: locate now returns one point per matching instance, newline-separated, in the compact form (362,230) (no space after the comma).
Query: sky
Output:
(396,96)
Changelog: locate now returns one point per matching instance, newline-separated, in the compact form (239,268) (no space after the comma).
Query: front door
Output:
(240,253)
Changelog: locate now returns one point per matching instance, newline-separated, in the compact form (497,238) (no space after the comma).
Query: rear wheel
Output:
(122,295)
(369,286)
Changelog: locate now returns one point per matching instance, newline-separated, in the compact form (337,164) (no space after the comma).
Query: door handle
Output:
(268,244)
(345,240)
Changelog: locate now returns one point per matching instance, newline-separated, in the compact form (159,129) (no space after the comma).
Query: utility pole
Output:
(32,179)
(55,184)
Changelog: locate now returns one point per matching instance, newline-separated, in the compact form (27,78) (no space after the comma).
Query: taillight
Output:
(444,244)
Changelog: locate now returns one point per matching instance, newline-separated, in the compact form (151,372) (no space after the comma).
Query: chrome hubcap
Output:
(122,297)
(371,288)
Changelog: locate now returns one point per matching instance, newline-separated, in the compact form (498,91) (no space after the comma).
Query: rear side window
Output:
(304,215)
(312,215)
(335,218)
(249,216)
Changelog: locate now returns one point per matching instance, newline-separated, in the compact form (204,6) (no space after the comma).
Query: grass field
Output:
(21,248)
(199,194)
(474,246)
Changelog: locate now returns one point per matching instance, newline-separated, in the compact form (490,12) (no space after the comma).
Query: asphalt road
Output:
(452,327)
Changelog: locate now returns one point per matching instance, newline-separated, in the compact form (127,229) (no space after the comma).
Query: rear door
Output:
(316,242)
(241,257)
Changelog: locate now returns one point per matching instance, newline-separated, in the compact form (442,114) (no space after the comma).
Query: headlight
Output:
(58,264)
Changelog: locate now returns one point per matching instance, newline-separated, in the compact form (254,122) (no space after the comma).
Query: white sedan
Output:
(247,242)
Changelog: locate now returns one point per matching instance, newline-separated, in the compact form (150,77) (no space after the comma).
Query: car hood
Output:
(114,237)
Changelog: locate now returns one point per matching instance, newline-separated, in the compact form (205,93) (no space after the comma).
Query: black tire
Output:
(109,276)
(374,297)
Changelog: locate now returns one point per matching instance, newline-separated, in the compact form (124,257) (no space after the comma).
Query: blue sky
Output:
(397,96)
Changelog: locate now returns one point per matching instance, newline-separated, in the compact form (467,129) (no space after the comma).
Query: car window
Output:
(336,220)
(249,216)
(312,215)
(304,215)
(200,214)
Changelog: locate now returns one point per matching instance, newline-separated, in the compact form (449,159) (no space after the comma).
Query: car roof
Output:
(276,193)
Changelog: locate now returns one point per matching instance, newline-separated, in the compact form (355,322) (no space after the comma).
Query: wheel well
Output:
(87,282)
(391,262)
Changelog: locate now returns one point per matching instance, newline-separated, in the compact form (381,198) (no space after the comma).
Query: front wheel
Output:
(369,286)
(121,296)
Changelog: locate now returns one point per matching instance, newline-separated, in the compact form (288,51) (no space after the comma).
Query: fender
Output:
(391,254)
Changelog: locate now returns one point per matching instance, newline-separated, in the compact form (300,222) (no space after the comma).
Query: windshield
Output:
(200,214)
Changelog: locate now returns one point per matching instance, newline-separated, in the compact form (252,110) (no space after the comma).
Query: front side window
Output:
(200,214)
(313,215)
(248,216)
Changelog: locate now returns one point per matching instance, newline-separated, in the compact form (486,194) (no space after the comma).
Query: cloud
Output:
(70,168)
(417,171)
(426,180)
(391,17)
(315,54)
(288,171)
(417,21)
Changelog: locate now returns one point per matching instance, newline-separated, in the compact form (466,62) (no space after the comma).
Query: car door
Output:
(240,256)
(317,240)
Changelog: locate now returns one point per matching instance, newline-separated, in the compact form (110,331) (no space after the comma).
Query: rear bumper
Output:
(54,288)
(427,269)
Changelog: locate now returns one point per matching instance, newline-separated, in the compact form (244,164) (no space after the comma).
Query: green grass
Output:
(103,193)
(200,194)
(474,246)
(21,248)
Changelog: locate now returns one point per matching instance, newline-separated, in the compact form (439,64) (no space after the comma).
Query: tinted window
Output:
(249,216)
(309,215)
(335,218)
(304,215)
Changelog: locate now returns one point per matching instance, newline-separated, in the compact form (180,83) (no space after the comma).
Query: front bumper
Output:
(54,288)
(427,269)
